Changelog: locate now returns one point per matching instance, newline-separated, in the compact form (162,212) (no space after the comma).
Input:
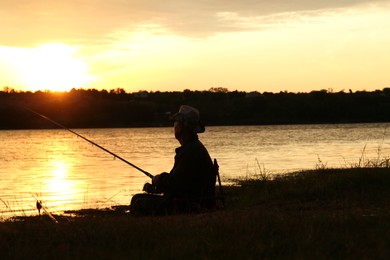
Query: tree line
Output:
(91,108)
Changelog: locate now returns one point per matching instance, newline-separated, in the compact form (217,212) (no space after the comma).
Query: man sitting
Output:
(190,185)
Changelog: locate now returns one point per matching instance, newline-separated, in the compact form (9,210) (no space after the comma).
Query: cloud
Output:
(27,22)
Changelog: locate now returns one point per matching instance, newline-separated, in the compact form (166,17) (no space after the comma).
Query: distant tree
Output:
(118,91)
(219,90)
(116,108)
(9,89)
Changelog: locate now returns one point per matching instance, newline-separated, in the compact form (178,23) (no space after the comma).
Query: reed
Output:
(12,208)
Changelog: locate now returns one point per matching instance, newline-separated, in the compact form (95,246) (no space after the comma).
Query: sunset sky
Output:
(248,45)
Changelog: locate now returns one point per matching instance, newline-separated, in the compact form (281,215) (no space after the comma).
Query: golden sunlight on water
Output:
(56,187)
(59,185)
(67,173)
(58,182)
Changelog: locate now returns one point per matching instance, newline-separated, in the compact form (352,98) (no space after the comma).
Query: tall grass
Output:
(320,214)
(12,208)
(380,160)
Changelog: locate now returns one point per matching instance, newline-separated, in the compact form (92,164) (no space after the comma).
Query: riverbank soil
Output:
(319,214)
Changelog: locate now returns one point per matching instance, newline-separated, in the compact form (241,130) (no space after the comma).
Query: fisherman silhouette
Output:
(190,185)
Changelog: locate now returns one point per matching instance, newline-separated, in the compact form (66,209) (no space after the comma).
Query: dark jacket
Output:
(192,176)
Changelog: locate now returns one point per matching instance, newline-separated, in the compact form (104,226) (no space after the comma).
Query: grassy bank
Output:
(324,213)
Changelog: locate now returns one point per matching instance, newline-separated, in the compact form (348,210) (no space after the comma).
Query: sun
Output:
(53,67)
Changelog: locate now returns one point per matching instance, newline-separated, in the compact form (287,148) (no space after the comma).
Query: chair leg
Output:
(222,197)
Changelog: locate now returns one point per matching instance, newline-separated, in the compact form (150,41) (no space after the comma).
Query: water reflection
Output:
(52,183)
(58,186)
(58,182)
(65,172)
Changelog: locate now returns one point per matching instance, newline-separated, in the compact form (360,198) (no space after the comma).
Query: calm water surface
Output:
(66,172)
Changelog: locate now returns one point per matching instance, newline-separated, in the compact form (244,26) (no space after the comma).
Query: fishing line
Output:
(91,142)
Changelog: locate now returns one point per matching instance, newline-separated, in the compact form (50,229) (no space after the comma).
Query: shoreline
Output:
(323,213)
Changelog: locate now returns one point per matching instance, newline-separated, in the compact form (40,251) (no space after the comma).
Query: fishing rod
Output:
(93,143)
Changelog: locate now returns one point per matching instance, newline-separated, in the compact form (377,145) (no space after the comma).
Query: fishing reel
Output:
(150,188)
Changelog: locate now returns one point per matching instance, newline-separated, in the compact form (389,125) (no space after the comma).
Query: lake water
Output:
(66,172)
